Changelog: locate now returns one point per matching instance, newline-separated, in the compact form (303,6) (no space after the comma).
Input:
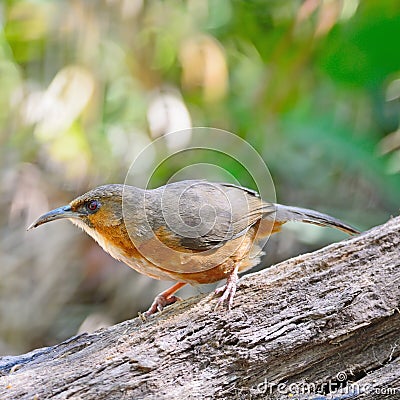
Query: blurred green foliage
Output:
(313,85)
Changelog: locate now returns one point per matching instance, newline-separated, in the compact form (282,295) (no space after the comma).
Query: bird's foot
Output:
(165,298)
(159,303)
(227,291)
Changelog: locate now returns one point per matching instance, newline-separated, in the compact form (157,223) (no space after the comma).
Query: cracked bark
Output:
(307,326)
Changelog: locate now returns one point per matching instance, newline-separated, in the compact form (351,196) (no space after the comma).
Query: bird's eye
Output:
(92,206)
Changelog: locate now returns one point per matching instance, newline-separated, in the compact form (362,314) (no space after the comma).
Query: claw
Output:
(228,290)
(163,299)
(159,303)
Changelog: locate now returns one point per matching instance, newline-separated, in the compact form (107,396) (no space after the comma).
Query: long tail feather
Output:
(287,213)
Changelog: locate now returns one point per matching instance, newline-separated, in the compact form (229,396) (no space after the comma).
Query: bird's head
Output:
(99,209)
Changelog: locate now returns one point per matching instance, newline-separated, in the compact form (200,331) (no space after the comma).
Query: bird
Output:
(189,232)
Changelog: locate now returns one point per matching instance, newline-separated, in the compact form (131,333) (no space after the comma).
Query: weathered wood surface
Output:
(307,325)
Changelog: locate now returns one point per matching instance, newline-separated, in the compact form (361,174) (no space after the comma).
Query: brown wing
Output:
(201,215)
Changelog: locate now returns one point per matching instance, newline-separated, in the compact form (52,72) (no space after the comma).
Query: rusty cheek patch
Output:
(105,217)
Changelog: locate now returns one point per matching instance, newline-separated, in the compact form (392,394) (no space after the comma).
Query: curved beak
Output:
(58,213)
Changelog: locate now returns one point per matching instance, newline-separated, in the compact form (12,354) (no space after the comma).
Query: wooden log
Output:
(321,325)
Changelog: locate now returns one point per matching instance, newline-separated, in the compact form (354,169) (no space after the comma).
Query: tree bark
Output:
(321,325)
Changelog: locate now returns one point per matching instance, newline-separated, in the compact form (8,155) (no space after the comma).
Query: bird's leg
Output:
(163,299)
(228,290)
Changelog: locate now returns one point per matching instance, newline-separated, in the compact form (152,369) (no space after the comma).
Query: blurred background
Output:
(313,85)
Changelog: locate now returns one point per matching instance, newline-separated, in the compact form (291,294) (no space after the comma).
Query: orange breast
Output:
(159,261)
